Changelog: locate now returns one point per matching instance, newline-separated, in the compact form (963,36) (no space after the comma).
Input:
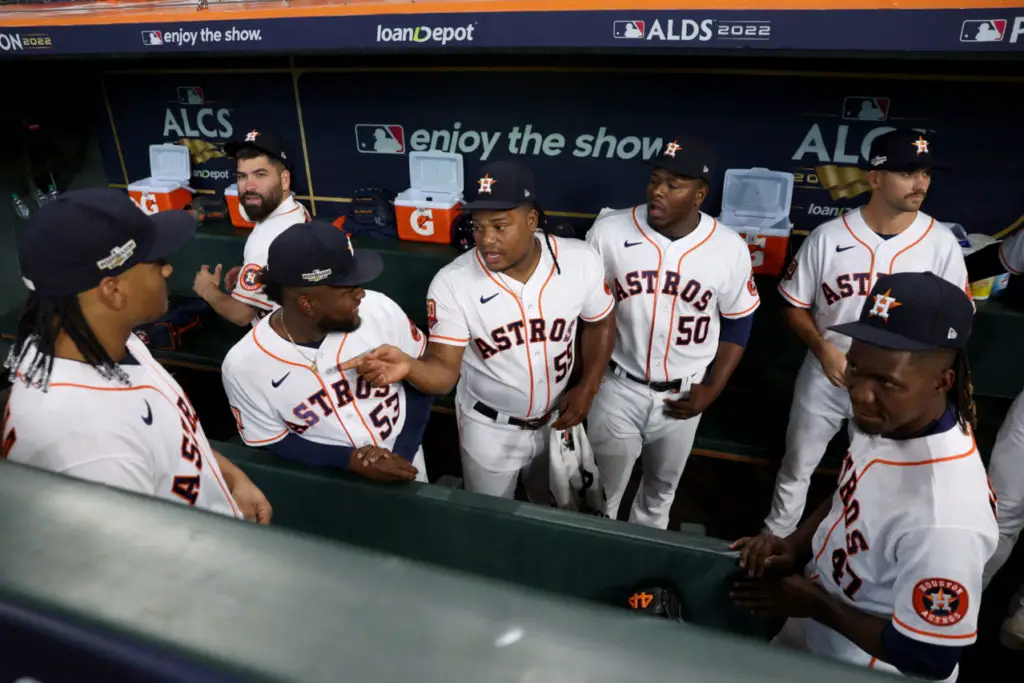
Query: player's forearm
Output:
(726,360)
(801,322)
(804,534)
(232,474)
(228,307)
(862,629)
(431,375)
(596,341)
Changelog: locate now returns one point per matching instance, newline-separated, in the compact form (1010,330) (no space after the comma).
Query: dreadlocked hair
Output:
(38,329)
(542,222)
(963,392)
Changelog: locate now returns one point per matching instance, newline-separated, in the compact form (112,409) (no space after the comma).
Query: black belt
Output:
(673,385)
(535,423)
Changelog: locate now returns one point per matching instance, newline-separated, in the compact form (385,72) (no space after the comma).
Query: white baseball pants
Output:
(494,455)
(627,422)
(1006,474)
(816,415)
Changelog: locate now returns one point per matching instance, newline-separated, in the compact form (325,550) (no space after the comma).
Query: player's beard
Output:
(268,203)
(346,325)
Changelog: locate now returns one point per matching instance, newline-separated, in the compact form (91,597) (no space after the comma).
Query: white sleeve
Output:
(599,302)
(404,332)
(445,320)
(938,586)
(739,297)
(799,284)
(248,291)
(256,422)
(126,471)
(1011,253)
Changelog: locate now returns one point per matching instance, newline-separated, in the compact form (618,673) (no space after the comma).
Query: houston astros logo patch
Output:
(247,278)
(940,602)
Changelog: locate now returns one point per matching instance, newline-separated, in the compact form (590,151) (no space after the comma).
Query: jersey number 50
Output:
(693,329)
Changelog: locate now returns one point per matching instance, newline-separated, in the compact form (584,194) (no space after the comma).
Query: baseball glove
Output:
(656,600)
(372,208)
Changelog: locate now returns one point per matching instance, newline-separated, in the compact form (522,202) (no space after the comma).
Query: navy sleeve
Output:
(417,414)
(914,658)
(294,447)
(736,330)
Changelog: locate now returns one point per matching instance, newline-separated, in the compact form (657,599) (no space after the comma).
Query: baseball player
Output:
(516,301)
(88,400)
(827,283)
(1006,472)
(685,299)
(264,193)
(888,573)
(283,380)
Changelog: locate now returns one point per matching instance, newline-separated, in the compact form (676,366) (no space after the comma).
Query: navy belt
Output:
(535,423)
(672,385)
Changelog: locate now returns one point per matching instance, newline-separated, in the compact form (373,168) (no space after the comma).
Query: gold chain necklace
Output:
(312,362)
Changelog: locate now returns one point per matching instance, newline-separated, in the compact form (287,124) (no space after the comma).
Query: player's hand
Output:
(206,281)
(254,505)
(833,364)
(574,407)
(231,278)
(765,552)
(380,464)
(700,398)
(789,596)
(382,366)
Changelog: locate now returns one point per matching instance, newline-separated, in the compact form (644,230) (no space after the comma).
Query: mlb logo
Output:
(865,108)
(983,31)
(191,96)
(152,38)
(380,138)
(629,29)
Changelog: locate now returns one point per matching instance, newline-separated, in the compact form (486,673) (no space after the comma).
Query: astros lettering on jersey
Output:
(273,391)
(257,245)
(915,559)
(521,335)
(145,437)
(837,264)
(669,293)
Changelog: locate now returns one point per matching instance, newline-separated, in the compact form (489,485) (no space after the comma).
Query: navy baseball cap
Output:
(685,157)
(913,312)
(266,141)
(902,150)
(502,186)
(317,253)
(81,237)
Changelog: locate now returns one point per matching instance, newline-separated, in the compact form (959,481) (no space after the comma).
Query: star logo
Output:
(485,184)
(883,303)
(671,148)
(921,144)
(252,135)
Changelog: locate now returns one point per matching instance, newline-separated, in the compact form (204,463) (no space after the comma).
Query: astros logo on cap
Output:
(485,183)
(252,135)
(921,144)
(883,302)
(671,148)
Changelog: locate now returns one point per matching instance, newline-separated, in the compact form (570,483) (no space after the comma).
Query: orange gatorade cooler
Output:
(756,204)
(167,187)
(235,208)
(426,211)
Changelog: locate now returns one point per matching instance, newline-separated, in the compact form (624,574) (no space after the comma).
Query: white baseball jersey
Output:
(273,391)
(257,246)
(911,527)
(836,266)
(145,437)
(670,293)
(1011,253)
(520,335)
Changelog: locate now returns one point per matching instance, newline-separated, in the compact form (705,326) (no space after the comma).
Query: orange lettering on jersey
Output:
(641,600)
(9,436)
(431,314)
(791,271)
(940,602)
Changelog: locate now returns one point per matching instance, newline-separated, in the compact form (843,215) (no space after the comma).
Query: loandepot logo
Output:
(426,34)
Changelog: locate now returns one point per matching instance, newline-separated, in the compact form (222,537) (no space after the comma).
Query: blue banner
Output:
(932,31)
(585,133)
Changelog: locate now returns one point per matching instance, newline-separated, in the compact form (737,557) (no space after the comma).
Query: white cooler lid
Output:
(170,162)
(439,172)
(757,193)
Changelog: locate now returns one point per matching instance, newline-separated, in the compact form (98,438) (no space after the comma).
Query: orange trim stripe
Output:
(912,245)
(871,269)
(672,313)
(743,312)
(931,634)
(451,339)
(261,442)
(355,400)
(266,306)
(540,309)
(603,314)
(654,305)
(792,299)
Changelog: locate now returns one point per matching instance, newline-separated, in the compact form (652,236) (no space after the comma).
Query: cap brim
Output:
(490,205)
(174,229)
(876,336)
(656,162)
(369,265)
(232,148)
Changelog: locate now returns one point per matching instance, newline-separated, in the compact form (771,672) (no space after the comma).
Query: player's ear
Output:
(111,292)
(286,181)
(305,304)
(875,179)
(945,381)
(700,193)
(532,219)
